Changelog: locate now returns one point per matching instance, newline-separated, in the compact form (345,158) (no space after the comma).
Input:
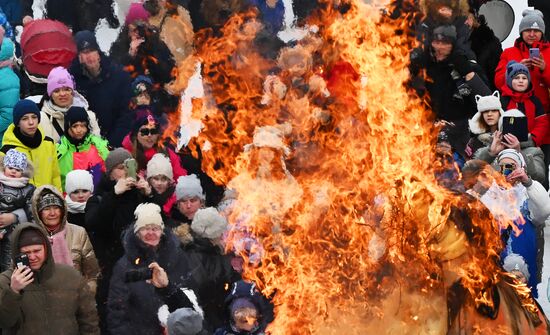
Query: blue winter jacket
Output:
(12,10)
(9,86)
(109,97)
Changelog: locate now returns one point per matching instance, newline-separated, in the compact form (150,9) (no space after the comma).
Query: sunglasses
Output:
(148,131)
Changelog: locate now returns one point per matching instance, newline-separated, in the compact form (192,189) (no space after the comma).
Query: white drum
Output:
(504,18)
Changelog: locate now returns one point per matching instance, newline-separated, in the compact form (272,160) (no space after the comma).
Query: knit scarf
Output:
(13,182)
(73,206)
(60,249)
(31,142)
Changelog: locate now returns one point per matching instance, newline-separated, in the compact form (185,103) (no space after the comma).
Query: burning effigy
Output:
(330,161)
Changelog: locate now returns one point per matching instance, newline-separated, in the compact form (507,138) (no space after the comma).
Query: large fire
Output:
(336,182)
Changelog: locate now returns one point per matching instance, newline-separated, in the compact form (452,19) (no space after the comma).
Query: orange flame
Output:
(338,190)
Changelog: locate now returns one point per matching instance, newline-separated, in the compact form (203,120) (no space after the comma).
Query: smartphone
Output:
(131,167)
(22,260)
(534,53)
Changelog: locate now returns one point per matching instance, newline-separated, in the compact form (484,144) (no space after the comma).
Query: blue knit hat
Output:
(85,40)
(23,107)
(514,68)
(15,159)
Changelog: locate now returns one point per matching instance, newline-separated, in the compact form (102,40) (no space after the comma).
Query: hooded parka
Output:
(58,301)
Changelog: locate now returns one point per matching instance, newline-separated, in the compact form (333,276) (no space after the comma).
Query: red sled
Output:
(46,44)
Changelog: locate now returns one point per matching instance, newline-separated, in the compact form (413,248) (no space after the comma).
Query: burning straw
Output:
(330,158)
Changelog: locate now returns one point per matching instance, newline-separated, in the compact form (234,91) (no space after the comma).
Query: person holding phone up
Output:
(518,94)
(40,295)
(532,50)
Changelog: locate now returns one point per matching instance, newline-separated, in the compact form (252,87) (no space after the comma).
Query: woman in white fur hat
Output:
(484,123)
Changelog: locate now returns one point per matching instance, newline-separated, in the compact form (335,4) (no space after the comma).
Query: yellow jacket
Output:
(43,157)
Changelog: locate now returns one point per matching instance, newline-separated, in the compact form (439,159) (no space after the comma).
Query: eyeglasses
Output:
(148,131)
(506,169)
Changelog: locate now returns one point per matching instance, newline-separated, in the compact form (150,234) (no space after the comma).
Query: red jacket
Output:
(539,80)
(537,120)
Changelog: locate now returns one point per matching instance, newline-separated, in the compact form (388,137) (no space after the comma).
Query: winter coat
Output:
(40,151)
(488,49)
(534,158)
(108,95)
(58,301)
(78,219)
(107,216)
(445,100)
(153,58)
(175,161)
(539,80)
(78,242)
(176,31)
(538,123)
(245,290)
(11,10)
(52,117)
(272,18)
(89,155)
(218,270)
(166,200)
(133,307)
(9,85)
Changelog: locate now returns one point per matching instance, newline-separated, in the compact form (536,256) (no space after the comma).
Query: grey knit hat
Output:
(445,33)
(189,187)
(532,19)
(184,321)
(116,157)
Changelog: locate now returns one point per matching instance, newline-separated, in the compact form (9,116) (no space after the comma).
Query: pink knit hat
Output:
(59,77)
(135,13)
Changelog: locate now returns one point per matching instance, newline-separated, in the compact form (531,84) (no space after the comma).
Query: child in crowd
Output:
(26,136)
(79,185)
(160,177)
(15,199)
(518,93)
(484,123)
(249,311)
(79,148)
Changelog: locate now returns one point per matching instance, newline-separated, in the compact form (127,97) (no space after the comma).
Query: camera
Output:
(142,274)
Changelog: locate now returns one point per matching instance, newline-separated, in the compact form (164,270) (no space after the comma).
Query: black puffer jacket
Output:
(133,307)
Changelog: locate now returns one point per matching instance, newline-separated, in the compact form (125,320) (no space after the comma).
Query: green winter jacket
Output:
(90,155)
(58,301)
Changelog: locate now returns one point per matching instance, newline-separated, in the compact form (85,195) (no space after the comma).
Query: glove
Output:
(461,64)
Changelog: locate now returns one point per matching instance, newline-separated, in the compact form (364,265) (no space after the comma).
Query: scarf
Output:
(73,206)
(30,142)
(60,249)
(13,182)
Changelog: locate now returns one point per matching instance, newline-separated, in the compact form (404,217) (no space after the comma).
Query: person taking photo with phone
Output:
(534,205)
(42,295)
(532,50)
(532,155)
(133,301)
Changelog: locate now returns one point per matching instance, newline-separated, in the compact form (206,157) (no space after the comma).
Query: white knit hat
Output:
(484,104)
(147,214)
(159,164)
(79,180)
(208,223)
(189,187)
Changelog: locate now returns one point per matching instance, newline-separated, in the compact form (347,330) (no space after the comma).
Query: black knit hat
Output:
(76,114)
(85,40)
(31,236)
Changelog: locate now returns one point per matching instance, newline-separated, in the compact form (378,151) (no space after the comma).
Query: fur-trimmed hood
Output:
(48,267)
(38,193)
(29,171)
(429,7)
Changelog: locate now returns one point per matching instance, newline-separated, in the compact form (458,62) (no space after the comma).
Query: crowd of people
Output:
(106,228)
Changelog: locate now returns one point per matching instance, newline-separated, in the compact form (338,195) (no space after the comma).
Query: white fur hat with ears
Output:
(484,103)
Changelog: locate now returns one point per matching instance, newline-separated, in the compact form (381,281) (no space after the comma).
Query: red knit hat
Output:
(135,13)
